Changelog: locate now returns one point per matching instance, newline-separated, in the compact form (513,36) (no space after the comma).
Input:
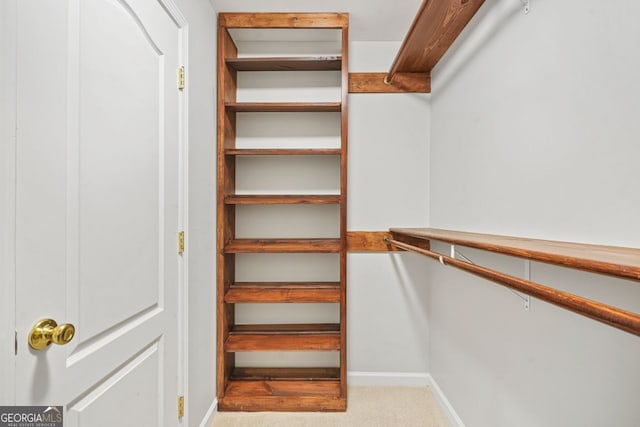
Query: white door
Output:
(97,208)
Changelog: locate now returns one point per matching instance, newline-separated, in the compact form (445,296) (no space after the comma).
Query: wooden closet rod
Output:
(613,316)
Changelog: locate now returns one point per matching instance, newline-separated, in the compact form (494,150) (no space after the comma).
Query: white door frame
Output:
(183,215)
(8,17)
(8,104)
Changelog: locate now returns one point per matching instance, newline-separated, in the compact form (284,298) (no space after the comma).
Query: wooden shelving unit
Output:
(242,388)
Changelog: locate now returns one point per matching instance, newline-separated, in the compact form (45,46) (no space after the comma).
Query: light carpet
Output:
(366,407)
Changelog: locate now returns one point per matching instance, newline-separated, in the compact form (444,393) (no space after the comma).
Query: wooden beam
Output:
(402,83)
(283,20)
(435,27)
(368,241)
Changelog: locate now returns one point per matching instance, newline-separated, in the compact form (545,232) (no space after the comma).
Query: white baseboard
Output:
(444,403)
(211,412)
(388,379)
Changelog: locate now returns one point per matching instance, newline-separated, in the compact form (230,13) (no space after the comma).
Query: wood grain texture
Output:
(610,260)
(284,374)
(254,246)
(282,107)
(321,63)
(284,388)
(283,292)
(296,337)
(283,20)
(613,316)
(282,199)
(288,389)
(344,168)
(225,224)
(283,152)
(402,83)
(368,241)
(434,29)
(283,403)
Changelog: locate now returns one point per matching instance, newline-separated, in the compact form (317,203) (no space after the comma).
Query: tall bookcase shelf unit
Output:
(263,387)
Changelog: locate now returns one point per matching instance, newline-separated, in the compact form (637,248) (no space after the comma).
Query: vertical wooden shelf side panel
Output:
(344,134)
(227,83)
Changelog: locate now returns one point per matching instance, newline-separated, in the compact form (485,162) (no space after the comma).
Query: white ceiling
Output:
(370,20)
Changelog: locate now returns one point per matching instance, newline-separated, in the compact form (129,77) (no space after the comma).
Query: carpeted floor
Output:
(367,407)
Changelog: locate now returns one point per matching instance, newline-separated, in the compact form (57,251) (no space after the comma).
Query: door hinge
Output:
(181,242)
(181,78)
(180,406)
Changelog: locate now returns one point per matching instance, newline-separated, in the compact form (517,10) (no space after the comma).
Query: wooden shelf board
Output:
(283,199)
(282,107)
(319,63)
(283,20)
(235,401)
(283,151)
(434,29)
(290,337)
(283,292)
(283,246)
(611,260)
(286,374)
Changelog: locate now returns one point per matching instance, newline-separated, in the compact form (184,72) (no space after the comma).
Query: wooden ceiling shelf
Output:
(321,63)
(610,260)
(434,29)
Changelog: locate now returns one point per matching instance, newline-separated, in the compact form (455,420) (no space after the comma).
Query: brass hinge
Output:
(180,406)
(181,78)
(181,242)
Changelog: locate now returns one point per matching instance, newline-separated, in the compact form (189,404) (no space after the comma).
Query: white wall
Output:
(388,168)
(535,133)
(201,81)
(7,197)
(388,154)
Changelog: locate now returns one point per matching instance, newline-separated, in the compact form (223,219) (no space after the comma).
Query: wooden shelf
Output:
(283,199)
(321,63)
(239,246)
(283,389)
(283,292)
(283,151)
(610,260)
(282,107)
(285,374)
(289,337)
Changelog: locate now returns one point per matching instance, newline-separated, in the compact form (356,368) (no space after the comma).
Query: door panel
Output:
(97,208)
(133,391)
(119,157)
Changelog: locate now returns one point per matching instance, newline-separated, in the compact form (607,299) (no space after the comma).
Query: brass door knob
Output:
(47,331)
